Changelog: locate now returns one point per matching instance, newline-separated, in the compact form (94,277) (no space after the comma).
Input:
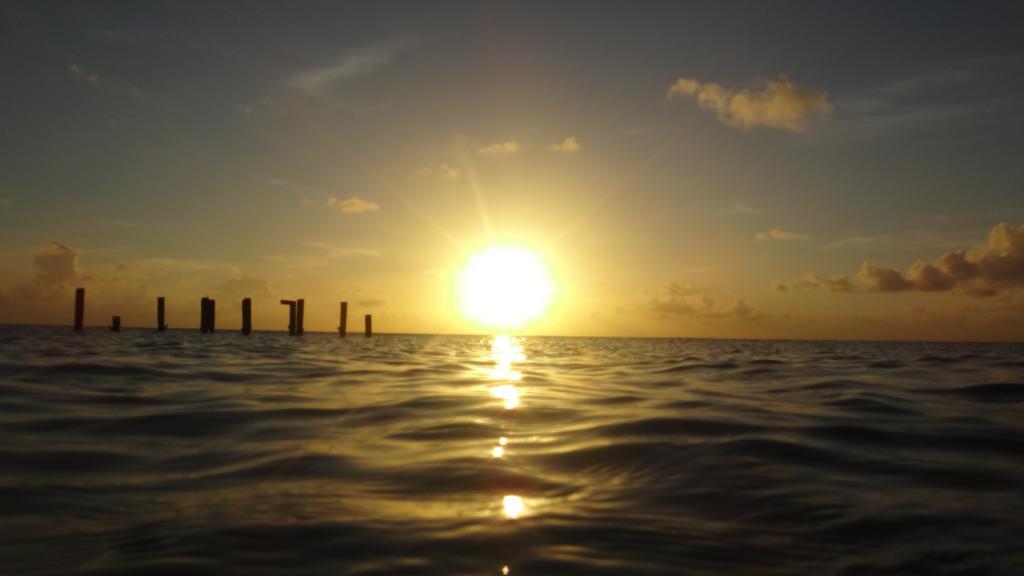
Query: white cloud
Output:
(354,63)
(780,234)
(568,146)
(506,148)
(352,205)
(774,103)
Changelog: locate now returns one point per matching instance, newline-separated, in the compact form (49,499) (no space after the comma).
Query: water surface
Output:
(182,453)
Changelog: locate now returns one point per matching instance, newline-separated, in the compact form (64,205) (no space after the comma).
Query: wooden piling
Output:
(213,315)
(343,322)
(115,324)
(291,315)
(79,308)
(204,315)
(369,325)
(160,324)
(246,315)
(300,313)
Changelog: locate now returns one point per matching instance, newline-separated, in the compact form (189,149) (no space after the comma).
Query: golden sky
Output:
(707,171)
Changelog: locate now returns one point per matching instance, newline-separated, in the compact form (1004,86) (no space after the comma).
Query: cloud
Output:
(56,268)
(444,171)
(506,148)
(839,283)
(682,300)
(333,251)
(987,269)
(568,146)
(5,203)
(936,98)
(82,74)
(883,279)
(238,287)
(740,208)
(774,103)
(352,205)
(780,234)
(354,63)
(56,263)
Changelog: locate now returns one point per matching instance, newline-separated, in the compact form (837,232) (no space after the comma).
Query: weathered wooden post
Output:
(291,315)
(343,324)
(204,315)
(115,324)
(160,324)
(246,315)
(369,325)
(79,308)
(300,312)
(213,315)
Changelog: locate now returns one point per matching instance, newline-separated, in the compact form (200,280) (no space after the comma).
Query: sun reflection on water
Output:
(505,350)
(508,393)
(513,506)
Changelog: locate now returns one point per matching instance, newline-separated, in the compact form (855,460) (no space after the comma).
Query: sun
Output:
(505,286)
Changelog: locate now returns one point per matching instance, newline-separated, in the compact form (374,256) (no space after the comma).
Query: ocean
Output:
(184,453)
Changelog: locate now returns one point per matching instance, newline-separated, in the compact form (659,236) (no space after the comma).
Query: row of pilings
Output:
(208,316)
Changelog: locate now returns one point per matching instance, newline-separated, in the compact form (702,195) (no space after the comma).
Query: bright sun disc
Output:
(505,287)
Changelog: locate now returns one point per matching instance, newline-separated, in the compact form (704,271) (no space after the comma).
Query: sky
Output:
(840,170)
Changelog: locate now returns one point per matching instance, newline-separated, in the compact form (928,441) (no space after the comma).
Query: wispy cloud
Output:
(114,223)
(740,208)
(906,241)
(935,98)
(83,74)
(354,63)
(568,146)
(780,234)
(445,171)
(773,103)
(111,85)
(335,251)
(507,148)
(352,205)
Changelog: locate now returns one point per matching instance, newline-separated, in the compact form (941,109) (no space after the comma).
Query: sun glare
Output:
(505,287)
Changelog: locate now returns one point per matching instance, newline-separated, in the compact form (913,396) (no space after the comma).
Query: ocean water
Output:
(182,453)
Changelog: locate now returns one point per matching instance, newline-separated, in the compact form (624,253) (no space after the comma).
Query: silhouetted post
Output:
(369,325)
(115,324)
(300,312)
(213,315)
(79,308)
(204,315)
(291,315)
(246,315)
(160,324)
(343,324)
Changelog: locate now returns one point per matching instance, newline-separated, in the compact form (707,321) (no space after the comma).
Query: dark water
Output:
(179,453)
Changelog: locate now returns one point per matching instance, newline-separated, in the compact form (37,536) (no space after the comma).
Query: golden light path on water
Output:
(505,352)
